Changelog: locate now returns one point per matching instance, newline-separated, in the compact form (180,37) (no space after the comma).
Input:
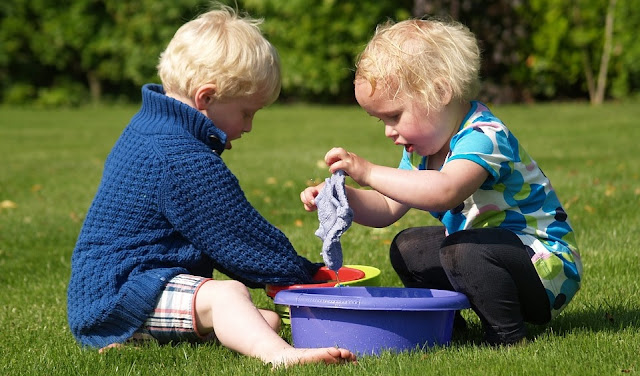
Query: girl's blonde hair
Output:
(223,48)
(422,60)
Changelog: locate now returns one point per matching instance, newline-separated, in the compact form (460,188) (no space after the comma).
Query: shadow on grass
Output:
(608,318)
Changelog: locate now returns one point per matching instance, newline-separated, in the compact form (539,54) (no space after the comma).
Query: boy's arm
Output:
(204,202)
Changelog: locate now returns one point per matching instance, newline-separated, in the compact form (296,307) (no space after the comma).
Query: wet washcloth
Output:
(335,216)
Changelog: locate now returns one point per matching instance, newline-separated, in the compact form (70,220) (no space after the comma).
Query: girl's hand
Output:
(308,197)
(356,167)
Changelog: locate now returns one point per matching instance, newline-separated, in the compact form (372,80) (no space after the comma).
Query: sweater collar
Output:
(156,105)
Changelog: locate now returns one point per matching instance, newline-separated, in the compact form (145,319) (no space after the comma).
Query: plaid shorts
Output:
(174,318)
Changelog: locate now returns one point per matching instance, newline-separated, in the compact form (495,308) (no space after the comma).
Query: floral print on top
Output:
(516,196)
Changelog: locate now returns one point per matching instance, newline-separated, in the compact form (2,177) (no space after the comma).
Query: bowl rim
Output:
(360,298)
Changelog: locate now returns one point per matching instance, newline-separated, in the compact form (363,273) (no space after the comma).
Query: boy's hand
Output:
(308,197)
(356,167)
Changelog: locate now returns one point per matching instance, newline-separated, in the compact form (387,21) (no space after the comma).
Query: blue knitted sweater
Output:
(167,204)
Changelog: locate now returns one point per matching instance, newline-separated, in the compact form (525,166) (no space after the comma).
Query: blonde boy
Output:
(168,210)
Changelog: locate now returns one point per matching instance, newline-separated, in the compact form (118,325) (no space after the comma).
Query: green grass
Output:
(51,164)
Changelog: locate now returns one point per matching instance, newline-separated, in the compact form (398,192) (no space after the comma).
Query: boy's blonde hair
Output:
(223,48)
(422,60)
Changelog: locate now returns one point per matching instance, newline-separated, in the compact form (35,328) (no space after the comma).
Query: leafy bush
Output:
(66,95)
(318,41)
(532,50)
(19,93)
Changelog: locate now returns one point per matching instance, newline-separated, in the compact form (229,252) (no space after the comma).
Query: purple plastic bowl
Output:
(368,320)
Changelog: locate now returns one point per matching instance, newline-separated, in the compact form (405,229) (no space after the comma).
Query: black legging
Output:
(490,266)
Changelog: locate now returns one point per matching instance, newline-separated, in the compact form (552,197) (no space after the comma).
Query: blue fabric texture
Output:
(335,217)
(167,205)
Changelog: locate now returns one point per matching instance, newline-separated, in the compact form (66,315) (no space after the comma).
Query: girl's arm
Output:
(429,190)
(370,208)
(373,209)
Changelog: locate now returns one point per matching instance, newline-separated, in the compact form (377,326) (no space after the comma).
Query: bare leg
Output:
(272,318)
(225,307)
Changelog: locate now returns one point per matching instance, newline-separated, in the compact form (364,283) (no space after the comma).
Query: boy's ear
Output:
(204,96)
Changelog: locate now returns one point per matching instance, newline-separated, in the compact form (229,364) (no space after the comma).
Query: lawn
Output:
(51,163)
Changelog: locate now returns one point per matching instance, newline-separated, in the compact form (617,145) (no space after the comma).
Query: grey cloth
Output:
(335,217)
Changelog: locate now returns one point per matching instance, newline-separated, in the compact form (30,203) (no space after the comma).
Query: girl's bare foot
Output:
(329,355)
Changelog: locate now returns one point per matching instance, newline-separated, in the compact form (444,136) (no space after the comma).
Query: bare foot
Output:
(109,347)
(329,355)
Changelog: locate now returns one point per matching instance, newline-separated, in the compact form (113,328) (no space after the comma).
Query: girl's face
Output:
(406,121)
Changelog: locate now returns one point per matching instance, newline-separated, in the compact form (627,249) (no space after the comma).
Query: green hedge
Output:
(67,53)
